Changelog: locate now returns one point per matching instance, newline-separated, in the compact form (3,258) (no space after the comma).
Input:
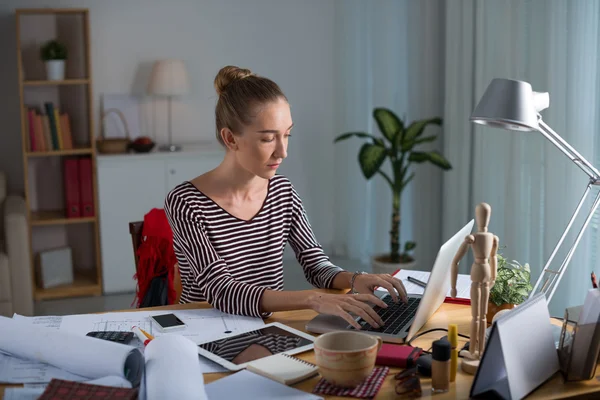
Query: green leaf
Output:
(416,129)
(418,157)
(437,159)
(408,246)
(408,145)
(371,157)
(363,135)
(389,124)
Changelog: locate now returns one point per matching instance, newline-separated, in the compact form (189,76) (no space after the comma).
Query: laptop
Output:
(402,321)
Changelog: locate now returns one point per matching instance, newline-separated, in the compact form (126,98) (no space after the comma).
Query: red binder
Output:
(86,189)
(71,187)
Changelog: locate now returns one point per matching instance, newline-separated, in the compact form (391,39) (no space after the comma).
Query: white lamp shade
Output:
(510,104)
(169,78)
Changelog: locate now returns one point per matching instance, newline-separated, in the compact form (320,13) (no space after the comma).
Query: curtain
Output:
(532,187)
(390,54)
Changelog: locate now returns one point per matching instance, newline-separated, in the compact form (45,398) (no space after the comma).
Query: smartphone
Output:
(168,322)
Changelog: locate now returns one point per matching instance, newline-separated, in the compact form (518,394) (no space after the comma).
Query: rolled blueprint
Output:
(81,355)
(173,370)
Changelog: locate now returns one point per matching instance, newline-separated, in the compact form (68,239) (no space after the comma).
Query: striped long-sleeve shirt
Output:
(230,262)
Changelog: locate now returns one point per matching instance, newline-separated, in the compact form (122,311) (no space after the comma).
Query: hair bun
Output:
(229,74)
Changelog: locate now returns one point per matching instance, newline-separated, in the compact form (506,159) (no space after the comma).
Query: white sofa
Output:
(16,284)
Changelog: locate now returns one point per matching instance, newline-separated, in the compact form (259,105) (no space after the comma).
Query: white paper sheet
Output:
(250,386)
(202,325)
(173,370)
(463,283)
(85,356)
(16,370)
(22,393)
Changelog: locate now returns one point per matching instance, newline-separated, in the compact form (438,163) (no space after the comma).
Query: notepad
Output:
(250,386)
(283,368)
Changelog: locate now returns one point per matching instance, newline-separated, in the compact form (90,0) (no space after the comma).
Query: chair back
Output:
(136,229)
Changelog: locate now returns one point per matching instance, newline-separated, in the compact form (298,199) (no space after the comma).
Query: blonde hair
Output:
(240,91)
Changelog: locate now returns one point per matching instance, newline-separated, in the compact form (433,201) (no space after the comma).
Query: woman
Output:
(230,225)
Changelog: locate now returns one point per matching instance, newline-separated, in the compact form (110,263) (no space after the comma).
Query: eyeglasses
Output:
(408,383)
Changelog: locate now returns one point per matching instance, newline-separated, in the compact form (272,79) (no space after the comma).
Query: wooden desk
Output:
(555,388)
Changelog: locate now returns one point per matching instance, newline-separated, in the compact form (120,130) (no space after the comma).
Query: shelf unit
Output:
(49,225)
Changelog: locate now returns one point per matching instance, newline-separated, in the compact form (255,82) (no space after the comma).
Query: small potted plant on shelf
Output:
(512,286)
(398,145)
(54,54)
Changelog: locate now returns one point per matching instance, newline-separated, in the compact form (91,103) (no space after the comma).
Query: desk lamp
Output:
(169,78)
(513,105)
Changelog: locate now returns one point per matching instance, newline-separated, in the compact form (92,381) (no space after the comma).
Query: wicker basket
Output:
(114,145)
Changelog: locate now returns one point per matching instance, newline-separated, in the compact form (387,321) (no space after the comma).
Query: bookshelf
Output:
(54,138)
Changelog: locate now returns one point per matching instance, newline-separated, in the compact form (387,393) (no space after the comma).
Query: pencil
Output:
(149,336)
(140,335)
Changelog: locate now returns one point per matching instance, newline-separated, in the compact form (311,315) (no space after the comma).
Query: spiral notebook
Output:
(283,368)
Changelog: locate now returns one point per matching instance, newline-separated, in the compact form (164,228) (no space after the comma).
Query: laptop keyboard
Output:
(395,317)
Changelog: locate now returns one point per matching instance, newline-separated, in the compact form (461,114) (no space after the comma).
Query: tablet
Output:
(235,352)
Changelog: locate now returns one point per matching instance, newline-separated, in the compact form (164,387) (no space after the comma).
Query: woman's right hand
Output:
(344,304)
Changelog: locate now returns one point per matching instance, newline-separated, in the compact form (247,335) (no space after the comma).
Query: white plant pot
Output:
(55,70)
(380,267)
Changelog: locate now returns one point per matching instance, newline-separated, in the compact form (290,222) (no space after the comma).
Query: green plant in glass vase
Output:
(400,145)
(512,286)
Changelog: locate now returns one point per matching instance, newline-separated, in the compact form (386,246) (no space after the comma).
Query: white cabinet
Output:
(128,187)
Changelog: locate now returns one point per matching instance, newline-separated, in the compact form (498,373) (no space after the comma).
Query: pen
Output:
(416,281)
(140,335)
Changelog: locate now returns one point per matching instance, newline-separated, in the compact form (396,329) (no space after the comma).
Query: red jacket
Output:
(155,254)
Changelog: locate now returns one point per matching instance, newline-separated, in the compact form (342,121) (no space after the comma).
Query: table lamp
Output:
(169,78)
(513,105)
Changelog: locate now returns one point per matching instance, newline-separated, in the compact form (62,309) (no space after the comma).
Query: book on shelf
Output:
(48,129)
(78,187)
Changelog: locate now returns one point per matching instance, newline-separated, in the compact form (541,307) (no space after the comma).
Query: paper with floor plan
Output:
(463,283)
(79,355)
(202,325)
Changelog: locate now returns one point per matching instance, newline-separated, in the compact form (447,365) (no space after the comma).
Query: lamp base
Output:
(169,148)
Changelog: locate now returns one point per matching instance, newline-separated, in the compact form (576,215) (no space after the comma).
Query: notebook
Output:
(463,285)
(283,368)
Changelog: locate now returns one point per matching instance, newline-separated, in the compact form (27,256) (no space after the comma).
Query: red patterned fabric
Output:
(59,389)
(366,390)
(155,254)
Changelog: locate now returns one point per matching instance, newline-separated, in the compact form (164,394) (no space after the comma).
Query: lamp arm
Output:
(549,282)
(569,151)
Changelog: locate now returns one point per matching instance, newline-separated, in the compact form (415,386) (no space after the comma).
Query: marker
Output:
(138,332)
(417,282)
(453,339)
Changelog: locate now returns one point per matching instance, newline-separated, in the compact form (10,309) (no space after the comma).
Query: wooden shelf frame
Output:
(57,83)
(83,285)
(56,217)
(71,152)
(90,283)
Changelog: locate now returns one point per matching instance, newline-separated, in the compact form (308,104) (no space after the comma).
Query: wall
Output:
(290,41)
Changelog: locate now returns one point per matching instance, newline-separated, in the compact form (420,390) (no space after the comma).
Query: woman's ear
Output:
(229,139)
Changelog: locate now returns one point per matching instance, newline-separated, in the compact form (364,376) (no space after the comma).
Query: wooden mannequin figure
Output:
(483,276)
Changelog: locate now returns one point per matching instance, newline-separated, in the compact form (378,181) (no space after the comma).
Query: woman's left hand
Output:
(367,283)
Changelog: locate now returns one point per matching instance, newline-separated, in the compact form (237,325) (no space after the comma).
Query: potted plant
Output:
(512,286)
(54,54)
(398,145)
